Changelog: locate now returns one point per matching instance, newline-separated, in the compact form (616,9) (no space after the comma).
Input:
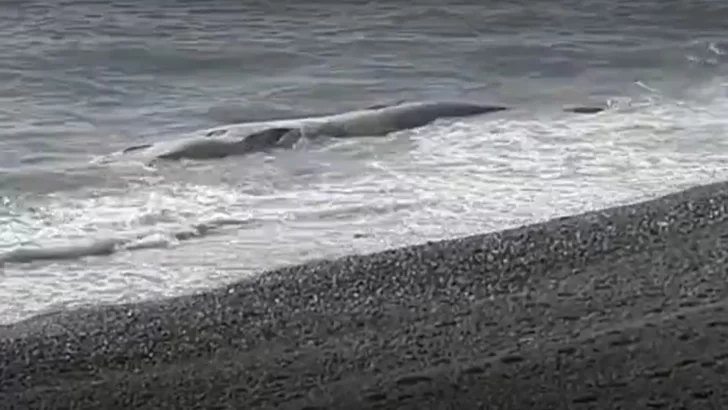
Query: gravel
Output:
(618,308)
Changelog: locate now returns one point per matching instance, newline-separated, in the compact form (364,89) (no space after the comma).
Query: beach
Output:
(83,80)
(618,308)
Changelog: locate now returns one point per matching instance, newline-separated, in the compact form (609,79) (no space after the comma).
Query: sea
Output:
(80,79)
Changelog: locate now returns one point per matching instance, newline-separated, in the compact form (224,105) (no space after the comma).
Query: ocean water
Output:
(81,78)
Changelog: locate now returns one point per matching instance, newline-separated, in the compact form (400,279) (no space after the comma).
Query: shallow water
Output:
(81,79)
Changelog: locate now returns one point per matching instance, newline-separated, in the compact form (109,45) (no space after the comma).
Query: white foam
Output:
(548,164)
(153,216)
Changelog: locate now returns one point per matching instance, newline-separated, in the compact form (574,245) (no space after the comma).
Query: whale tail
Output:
(135,148)
(379,106)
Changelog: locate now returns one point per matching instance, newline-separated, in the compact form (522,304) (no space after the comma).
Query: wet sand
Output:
(621,308)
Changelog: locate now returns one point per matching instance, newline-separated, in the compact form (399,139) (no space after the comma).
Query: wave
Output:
(109,245)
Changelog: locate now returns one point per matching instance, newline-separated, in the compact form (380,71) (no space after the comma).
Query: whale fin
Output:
(585,110)
(290,138)
(494,108)
(216,133)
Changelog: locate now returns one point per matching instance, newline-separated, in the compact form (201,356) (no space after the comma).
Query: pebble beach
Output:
(618,308)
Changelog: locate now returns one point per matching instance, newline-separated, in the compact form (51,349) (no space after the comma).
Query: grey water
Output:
(82,78)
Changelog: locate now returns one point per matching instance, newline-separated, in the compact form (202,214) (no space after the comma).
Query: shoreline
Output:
(625,306)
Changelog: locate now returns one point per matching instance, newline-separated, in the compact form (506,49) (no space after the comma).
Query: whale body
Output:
(378,120)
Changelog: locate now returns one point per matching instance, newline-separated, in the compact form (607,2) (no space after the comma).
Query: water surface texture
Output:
(80,79)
